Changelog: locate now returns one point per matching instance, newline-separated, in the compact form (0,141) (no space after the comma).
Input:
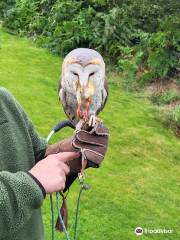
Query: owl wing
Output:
(69,103)
(104,93)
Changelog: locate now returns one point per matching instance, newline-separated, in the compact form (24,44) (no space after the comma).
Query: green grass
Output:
(167,97)
(139,181)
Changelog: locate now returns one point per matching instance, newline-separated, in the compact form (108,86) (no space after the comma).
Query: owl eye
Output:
(75,74)
(91,74)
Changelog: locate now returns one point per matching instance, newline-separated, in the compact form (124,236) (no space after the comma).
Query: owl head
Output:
(83,69)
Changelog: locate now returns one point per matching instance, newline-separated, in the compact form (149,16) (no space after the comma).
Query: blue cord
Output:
(60,217)
(77,212)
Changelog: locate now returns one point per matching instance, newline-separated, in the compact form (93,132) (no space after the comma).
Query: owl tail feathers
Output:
(64,214)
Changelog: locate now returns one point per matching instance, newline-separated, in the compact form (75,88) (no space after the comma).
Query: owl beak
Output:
(83,80)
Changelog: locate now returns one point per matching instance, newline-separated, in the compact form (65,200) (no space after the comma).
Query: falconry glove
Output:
(92,142)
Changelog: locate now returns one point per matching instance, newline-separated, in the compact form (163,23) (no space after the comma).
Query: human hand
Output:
(51,171)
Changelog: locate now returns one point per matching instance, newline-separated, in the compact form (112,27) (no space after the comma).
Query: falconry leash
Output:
(83,186)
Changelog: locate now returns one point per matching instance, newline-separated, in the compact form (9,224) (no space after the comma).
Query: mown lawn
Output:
(139,181)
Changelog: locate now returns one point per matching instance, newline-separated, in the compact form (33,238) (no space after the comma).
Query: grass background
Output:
(139,181)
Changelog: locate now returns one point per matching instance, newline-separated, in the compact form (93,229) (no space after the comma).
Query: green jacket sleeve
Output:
(20,196)
(39,143)
(21,147)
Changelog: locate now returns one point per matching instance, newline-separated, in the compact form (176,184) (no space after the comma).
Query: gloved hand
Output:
(91,142)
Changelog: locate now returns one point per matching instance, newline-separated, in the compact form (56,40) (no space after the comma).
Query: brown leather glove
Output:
(91,142)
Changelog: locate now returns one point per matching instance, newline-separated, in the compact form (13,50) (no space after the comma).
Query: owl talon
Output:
(93,120)
(79,125)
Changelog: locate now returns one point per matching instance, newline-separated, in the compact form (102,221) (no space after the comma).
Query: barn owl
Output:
(83,86)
